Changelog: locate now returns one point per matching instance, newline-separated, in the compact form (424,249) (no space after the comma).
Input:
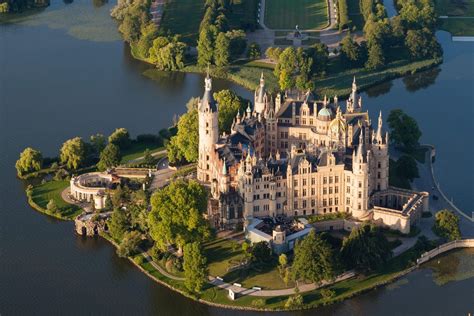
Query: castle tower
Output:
(360,183)
(208,131)
(260,97)
(380,163)
(248,188)
(352,101)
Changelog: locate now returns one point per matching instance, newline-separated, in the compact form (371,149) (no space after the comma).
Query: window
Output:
(313,203)
(348,201)
(348,179)
(325,190)
(256,208)
(304,204)
(336,179)
(378,175)
(360,184)
(295,205)
(348,189)
(336,190)
(336,201)
(278,206)
(296,193)
(330,179)
(359,206)
(330,190)
(304,192)
(325,202)
(313,181)
(312,191)
(379,165)
(295,183)
(330,201)
(304,181)
(325,180)
(360,194)
(266,207)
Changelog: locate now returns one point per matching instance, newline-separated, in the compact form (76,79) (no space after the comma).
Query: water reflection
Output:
(380,89)
(421,80)
(454,266)
(99,3)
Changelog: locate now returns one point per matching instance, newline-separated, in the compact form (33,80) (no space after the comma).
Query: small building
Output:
(90,224)
(280,233)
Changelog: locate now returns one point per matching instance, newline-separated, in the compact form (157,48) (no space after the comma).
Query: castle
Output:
(294,155)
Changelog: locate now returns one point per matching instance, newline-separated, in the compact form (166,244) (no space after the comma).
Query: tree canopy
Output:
(167,53)
(229,104)
(121,138)
(109,157)
(404,130)
(73,153)
(195,268)
(176,215)
(366,248)
(30,160)
(313,260)
(447,225)
(185,144)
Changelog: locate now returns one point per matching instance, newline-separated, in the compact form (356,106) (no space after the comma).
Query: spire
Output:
(249,111)
(224,168)
(360,147)
(207,98)
(262,80)
(379,129)
(354,91)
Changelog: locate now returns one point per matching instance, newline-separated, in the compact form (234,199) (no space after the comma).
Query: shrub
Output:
(259,302)
(294,301)
(139,260)
(130,244)
(327,294)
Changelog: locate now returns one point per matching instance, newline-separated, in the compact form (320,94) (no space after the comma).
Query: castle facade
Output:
(294,155)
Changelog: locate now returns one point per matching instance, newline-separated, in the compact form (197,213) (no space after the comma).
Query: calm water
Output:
(64,72)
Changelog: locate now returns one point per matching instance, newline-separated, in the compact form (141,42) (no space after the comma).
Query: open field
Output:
(307,14)
(461,16)
(455,7)
(183,17)
(52,190)
(137,150)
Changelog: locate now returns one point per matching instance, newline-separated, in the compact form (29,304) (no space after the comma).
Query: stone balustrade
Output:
(462,243)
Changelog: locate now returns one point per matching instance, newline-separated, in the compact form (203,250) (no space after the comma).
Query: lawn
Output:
(43,193)
(137,150)
(183,17)
(455,7)
(458,26)
(286,14)
(221,254)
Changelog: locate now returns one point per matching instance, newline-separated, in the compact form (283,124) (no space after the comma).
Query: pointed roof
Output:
(208,98)
(261,90)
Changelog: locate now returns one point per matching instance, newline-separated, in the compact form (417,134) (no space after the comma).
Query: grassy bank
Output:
(307,14)
(457,11)
(41,195)
(137,150)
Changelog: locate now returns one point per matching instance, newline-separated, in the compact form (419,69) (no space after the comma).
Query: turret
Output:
(378,136)
(360,186)
(380,163)
(208,130)
(260,96)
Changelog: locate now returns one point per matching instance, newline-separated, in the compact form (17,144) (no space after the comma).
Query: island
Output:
(288,202)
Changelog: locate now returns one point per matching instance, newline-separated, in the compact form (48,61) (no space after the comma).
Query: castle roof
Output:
(208,99)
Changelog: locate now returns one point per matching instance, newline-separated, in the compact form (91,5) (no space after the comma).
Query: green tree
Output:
(261,253)
(148,158)
(121,138)
(195,268)
(316,58)
(205,47)
(273,53)
(349,51)
(222,51)
(313,260)
(447,225)
(294,301)
(407,167)
(109,157)
(366,248)
(30,160)
(130,28)
(52,207)
(238,43)
(186,142)
(118,224)
(73,153)
(422,44)
(98,143)
(130,244)
(229,104)
(148,33)
(254,51)
(404,130)
(176,214)
(376,58)
(167,53)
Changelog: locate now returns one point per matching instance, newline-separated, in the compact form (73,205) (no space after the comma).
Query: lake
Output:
(64,72)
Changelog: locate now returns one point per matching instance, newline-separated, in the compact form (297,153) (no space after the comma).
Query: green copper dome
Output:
(325,112)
